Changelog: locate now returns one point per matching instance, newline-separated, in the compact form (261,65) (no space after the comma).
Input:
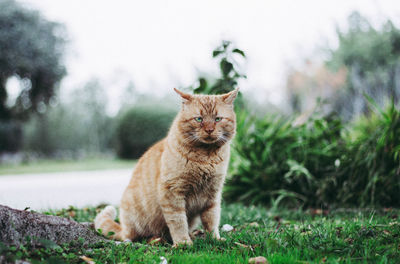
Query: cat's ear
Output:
(186,97)
(230,97)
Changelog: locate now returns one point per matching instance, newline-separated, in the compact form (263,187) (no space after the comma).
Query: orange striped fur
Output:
(179,180)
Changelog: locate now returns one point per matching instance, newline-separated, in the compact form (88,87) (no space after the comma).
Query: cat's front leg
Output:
(173,208)
(210,218)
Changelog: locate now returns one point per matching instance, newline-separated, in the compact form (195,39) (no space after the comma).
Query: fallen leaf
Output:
(387,210)
(339,230)
(242,245)
(254,224)
(155,240)
(258,260)
(87,260)
(318,211)
(198,232)
(306,233)
(349,240)
(72,213)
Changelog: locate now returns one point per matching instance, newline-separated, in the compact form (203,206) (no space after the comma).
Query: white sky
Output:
(160,44)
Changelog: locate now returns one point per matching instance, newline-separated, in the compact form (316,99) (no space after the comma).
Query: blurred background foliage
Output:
(339,146)
(72,129)
(32,50)
(140,127)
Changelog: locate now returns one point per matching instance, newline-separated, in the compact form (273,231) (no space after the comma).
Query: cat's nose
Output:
(209,130)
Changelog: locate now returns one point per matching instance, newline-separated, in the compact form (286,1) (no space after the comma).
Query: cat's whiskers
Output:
(191,138)
(222,138)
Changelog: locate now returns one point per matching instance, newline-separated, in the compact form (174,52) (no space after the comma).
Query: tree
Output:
(372,59)
(78,125)
(31,49)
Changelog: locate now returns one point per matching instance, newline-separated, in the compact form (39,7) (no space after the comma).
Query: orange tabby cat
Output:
(179,179)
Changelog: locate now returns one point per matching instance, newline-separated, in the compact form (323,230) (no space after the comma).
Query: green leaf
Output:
(239,52)
(216,53)
(226,67)
(373,103)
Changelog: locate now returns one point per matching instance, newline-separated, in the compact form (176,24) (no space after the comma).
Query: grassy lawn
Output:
(43,166)
(281,237)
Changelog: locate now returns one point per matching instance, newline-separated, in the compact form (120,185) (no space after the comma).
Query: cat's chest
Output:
(202,181)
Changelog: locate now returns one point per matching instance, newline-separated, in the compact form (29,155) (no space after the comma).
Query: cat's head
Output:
(207,119)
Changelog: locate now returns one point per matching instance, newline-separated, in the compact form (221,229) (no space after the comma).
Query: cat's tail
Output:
(105,222)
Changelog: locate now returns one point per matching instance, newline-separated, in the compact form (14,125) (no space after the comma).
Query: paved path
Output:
(59,190)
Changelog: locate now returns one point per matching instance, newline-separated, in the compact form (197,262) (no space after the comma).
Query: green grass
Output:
(369,236)
(44,166)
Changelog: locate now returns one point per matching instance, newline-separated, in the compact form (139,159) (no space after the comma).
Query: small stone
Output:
(227,228)
(163,260)
(258,260)
(19,262)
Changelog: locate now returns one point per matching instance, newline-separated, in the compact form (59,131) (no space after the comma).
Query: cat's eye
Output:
(198,119)
(217,119)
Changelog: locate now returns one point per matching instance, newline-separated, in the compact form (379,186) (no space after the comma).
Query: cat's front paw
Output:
(185,242)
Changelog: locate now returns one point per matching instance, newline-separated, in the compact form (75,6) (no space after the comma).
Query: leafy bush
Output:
(374,170)
(10,136)
(140,127)
(274,161)
(318,163)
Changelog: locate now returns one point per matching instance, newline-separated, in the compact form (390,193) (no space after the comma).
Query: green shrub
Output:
(10,136)
(274,161)
(140,127)
(318,163)
(374,170)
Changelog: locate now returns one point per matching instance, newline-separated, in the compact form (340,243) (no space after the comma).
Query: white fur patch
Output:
(110,211)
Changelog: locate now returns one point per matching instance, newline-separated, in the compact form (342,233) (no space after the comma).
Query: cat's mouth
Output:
(209,139)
